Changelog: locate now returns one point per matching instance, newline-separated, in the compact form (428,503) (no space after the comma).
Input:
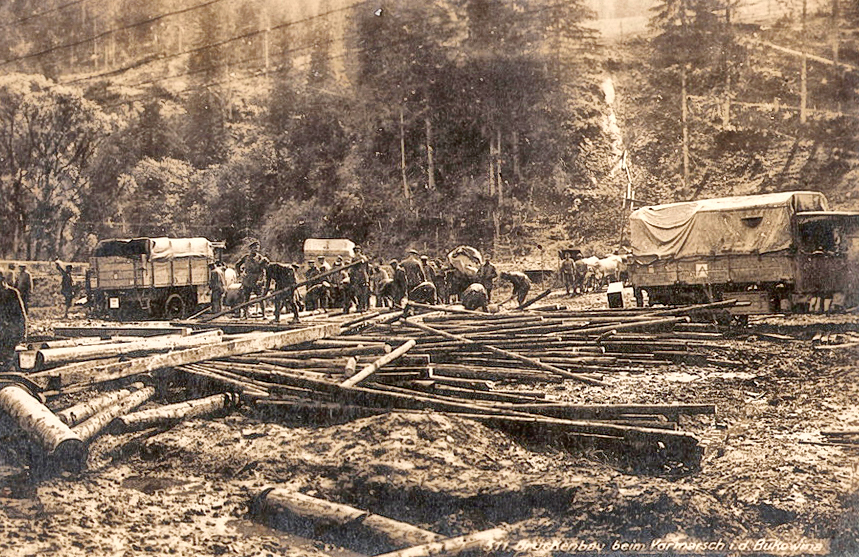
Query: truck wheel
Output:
(174,306)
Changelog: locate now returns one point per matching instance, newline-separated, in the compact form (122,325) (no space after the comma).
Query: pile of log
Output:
(485,367)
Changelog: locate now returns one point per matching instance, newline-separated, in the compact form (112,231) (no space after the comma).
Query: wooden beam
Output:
(80,412)
(305,515)
(371,369)
(58,377)
(532,361)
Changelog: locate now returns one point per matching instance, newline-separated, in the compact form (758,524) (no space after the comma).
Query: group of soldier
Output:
(354,281)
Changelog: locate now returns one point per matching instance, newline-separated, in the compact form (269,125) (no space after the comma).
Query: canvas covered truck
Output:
(165,277)
(780,252)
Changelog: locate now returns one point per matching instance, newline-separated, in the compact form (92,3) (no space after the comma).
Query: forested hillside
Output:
(503,124)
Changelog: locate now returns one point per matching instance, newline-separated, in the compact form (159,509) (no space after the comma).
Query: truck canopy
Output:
(328,247)
(748,224)
(158,249)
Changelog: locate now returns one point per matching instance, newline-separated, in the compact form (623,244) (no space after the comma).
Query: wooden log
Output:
(371,369)
(172,413)
(59,377)
(64,343)
(539,297)
(309,516)
(91,427)
(508,354)
(49,357)
(60,443)
(644,324)
(494,373)
(612,411)
(316,411)
(243,385)
(453,546)
(351,367)
(79,412)
(109,331)
(336,352)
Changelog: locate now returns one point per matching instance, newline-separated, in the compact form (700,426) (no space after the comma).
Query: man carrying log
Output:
(13,324)
(283,277)
(521,285)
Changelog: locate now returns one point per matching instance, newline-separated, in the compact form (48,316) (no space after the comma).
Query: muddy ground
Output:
(767,471)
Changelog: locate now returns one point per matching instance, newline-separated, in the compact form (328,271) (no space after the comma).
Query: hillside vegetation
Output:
(507,125)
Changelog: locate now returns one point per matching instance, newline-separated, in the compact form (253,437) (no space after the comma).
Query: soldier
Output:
(284,278)
(413,271)
(378,280)
(311,296)
(485,275)
(474,297)
(252,266)
(521,285)
(324,267)
(568,273)
(13,324)
(398,287)
(218,286)
(359,280)
(24,285)
(67,285)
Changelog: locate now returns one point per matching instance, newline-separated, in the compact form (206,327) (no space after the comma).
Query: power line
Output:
(109,32)
(223,42)
(41,14)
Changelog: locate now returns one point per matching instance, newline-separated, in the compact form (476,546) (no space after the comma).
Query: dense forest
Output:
(500,123)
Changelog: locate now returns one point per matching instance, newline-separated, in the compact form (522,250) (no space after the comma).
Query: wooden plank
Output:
(371,369)
(532,361)
(58,378)
(121,330)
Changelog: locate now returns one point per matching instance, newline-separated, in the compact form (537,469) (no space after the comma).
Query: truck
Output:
(778,253)
(163,277)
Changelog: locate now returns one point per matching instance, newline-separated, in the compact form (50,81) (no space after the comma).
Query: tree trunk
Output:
(370,369)
(43,426)
(430,154)
(80,412)
(407,193)
(88,429)
(171,413)
(362,530)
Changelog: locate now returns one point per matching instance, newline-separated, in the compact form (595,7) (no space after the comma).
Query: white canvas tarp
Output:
(749,224)
(328,248)
(161,249)
(465,259)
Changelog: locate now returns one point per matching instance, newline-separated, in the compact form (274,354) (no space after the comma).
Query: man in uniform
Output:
(24,285)
(252,266)
(359,281)
(218,286)
(67,285)
(474,297)
(311,296)
(521,285)
(283,277)
(413,271)
(485,275)
(13,324)
(568,273)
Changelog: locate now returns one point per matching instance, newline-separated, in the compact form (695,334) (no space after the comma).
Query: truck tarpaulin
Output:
(749,224)
(158,249)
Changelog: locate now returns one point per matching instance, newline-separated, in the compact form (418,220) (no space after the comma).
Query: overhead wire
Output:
(107,33)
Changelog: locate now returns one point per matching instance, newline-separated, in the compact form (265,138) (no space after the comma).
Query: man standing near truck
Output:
(67,285)
(218,286)
(13,324)
(283,277)
(252,266)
